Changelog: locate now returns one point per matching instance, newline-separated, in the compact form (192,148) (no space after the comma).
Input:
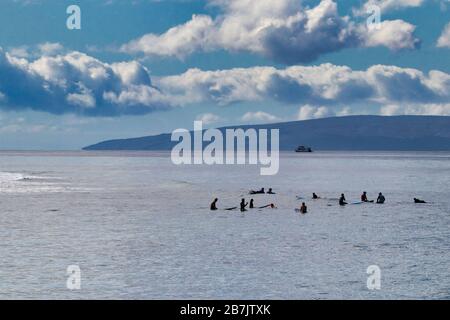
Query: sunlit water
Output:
(139,227)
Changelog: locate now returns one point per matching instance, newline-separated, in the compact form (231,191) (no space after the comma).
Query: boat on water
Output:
(303,149)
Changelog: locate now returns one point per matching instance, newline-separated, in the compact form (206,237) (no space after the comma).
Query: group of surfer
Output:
(262,191)
(303,208)
(243,205)
(380,200)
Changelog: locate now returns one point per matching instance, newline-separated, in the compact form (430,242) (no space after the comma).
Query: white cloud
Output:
(208,118)
(416,109)
(444,39)
(394,34)
(323,85)
(259,116)
(282,30)
(311,112)
(77,83)
(80,84)
(50,48)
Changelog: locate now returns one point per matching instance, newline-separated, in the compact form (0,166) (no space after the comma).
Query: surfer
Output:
(303,208)
(271,206)
(243,205)
(214,204)
(251,204)
(315,196)
(418,201)
(270,191)
(381,199)
(342,200)
(257,192)
(364,197)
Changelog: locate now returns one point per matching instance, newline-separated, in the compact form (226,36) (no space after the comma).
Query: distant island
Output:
(393,133)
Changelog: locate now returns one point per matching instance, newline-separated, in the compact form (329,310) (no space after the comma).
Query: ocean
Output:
(139,227)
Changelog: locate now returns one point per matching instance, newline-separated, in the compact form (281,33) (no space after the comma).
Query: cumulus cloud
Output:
(36,51)
(311,112)
(208,118)
(282,30)
(323,85)
(444,39)
(395,34)
(259,116)
(416,109)
(76,83)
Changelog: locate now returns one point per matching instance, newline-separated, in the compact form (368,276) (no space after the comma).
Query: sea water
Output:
(139,227)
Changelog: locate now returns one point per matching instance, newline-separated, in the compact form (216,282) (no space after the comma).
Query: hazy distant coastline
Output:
(396,133)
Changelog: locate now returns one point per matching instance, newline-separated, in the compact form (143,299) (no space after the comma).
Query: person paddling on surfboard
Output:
(271,206)
(257,192)
(418,201)
(342,200)
(214,204)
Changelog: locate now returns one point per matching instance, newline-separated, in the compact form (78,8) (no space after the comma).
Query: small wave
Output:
(10,176)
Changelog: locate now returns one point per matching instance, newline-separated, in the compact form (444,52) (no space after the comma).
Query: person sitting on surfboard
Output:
(214,204)
(364,197)
(381,199)
(303,208)
(243,205)
(251,204)
(315,196)
(342,200)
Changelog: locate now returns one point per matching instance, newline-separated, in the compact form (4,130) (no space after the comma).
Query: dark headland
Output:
(395,133)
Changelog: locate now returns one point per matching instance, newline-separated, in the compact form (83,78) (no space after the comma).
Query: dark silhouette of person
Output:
(271,206)
(303,208)
(257,192)
(315,196)
(243,205)
(214,204)
(418,201)
(270,191)
(342,200)
(251,204)
(381,199)
(364,197)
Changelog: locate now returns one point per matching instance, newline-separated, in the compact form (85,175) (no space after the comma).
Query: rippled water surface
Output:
(139,227)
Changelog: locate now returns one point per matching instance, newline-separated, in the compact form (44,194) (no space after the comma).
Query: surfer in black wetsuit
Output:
(270,191)
(214,204)
(418,201)
(251,204)
(381,199)
(342,200)
(257,192)
(243,205)
(303,208)
(315,196)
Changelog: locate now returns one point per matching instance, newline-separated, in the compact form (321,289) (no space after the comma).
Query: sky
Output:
(143,67)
